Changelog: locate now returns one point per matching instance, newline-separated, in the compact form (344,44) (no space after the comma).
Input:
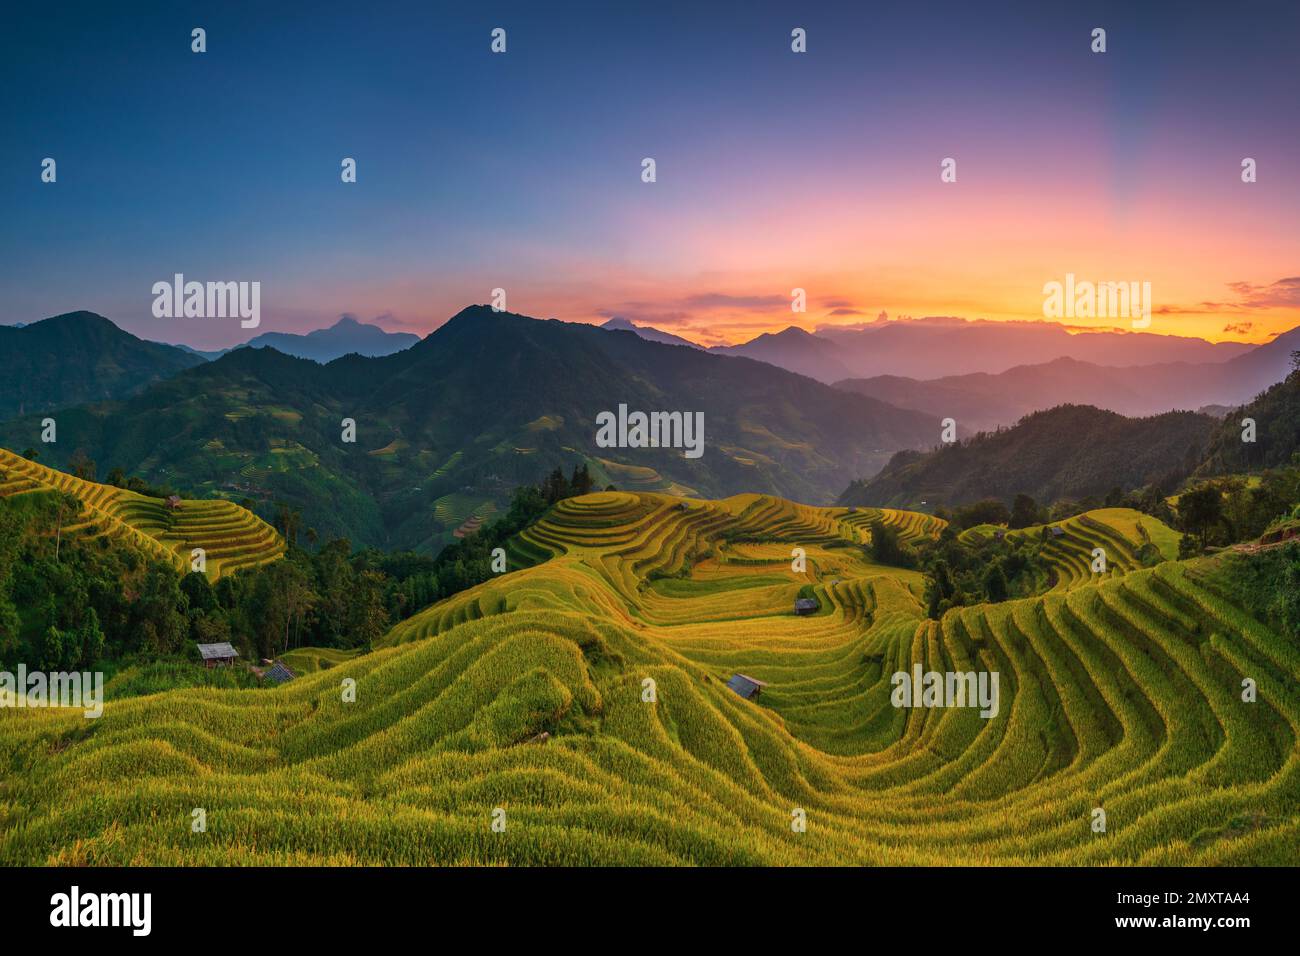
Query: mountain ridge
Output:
(486,402)
(78,357)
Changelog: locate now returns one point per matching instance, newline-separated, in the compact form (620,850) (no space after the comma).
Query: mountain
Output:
(208,355)
(447,428)
(795,350)
(1071,451)
(347,336)
(935,348)
(75,358)
(1276,414)
(981,401)
(647,333)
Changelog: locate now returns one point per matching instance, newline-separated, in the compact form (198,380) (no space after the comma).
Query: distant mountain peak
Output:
(344,337)
(649,333)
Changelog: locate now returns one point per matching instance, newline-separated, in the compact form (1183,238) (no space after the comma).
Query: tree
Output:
(54,649)
(287,596)
(67,503)
(555,487)
(198,592)
(1287,602)
(887,548)
(939,590)
(580,484)
(287,522)
(159,613)
(995,583)
(988,511)
(369,618)
(91,638)
(82,466)
(1024,512)
(1201,509)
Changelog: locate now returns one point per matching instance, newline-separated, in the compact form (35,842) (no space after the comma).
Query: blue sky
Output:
(522,170)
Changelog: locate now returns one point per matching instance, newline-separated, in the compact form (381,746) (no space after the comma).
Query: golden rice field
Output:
(1119,692)
(231,537)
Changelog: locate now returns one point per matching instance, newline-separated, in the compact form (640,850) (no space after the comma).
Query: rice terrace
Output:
(581,701)
(721,471)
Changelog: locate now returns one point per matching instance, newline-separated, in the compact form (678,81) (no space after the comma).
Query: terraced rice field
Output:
(1120,533)
(231,537)
(1122,693)
(309,660)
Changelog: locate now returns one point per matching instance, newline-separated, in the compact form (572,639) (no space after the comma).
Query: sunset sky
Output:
(775,170)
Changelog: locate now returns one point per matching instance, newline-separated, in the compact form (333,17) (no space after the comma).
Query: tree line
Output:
(72,601)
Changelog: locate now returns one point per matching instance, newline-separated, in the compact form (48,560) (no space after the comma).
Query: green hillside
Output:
(487,403)
(1276,414)
(1072,451)
(75,358)
(529,695)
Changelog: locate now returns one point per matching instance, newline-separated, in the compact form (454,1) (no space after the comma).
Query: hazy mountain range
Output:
(987,374)
(347,336)
(981,400)
(1077,451)
(448,426)
(939,347)
(452,425)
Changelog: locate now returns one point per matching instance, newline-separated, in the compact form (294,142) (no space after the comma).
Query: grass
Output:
(309,660)
(231,537)
(1119,691)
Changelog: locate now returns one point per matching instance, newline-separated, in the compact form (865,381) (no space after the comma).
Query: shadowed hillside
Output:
(1066,452)
(78,357)
(446,429)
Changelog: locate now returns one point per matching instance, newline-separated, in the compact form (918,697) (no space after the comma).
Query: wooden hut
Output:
(746,687)
(805,606)
(218,655)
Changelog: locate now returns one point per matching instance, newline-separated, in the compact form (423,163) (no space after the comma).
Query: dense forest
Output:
(73,602)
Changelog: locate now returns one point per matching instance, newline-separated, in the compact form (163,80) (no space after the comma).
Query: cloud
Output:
(701,308)
(710,301)
(1282,294)
(1239,328)
(845,312)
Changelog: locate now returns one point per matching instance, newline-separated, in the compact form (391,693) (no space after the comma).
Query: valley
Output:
(583,702)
